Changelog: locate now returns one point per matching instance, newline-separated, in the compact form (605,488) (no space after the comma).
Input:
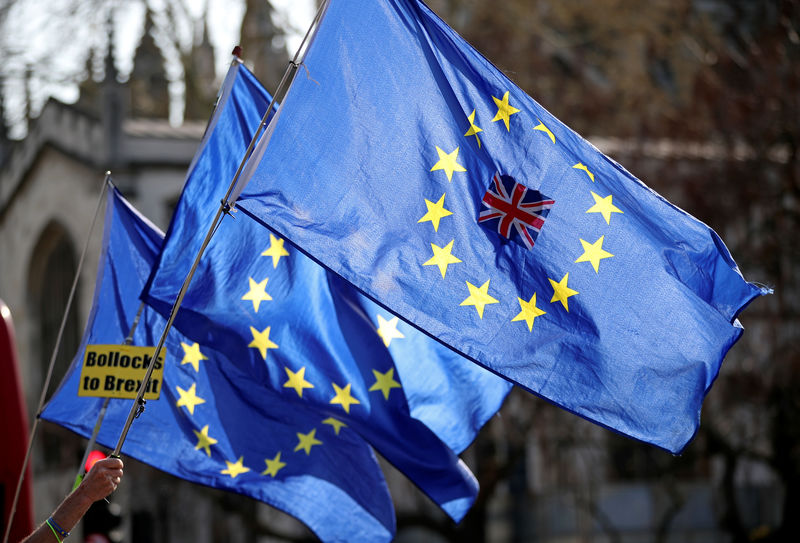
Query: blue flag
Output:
(302,332)
(412,167)
(212,424)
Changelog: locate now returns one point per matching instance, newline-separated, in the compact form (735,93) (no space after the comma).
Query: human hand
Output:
(102,479)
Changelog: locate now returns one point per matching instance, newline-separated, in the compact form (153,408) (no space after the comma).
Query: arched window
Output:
(52,271)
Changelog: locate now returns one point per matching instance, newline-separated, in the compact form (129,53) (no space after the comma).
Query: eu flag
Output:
(302,332)
(615,304)
(212,424)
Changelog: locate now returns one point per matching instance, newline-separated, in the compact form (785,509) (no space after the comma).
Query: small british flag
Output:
(511,208)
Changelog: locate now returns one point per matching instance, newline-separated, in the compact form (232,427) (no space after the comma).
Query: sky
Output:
(293,15)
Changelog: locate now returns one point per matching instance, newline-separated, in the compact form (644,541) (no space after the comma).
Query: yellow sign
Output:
(116,371)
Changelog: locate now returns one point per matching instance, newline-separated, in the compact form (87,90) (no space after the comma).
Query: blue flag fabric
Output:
(379,165)
(304,333)
(212,424)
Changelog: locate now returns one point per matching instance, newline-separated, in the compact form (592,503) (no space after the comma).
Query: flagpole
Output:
(56,348)
(102,414)
(224,209)
(280,92)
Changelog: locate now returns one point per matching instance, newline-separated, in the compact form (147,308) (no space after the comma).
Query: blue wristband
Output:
(58,529)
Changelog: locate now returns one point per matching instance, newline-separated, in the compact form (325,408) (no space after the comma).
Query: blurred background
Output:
(698,98)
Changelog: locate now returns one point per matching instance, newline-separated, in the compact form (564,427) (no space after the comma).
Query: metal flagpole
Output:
(53,357)
(138,405)
(101,415)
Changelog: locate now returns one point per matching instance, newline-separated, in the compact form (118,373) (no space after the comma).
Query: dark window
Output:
(52,272)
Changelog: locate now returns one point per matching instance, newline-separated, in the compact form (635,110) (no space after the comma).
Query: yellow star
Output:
(442,257)
(435,213)
(580,166)
(447,162)
(306,441)
(473,128)
(343,397)
(257,293)
(529,312)
(204,441)
(273,466)
(276,250)
(504,110)
(297,381)
(604,206)
(561,292)
(479,297)
(188,398)
(542,128)
(235,468)
(192,355)
(594,253)
(337,424)
(384,382)
(261,341)
(388,330)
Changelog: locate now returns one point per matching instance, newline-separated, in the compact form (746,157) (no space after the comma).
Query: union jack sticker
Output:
(513,210)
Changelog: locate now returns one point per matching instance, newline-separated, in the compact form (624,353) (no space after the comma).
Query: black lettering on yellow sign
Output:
(117,371)
(115,359)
